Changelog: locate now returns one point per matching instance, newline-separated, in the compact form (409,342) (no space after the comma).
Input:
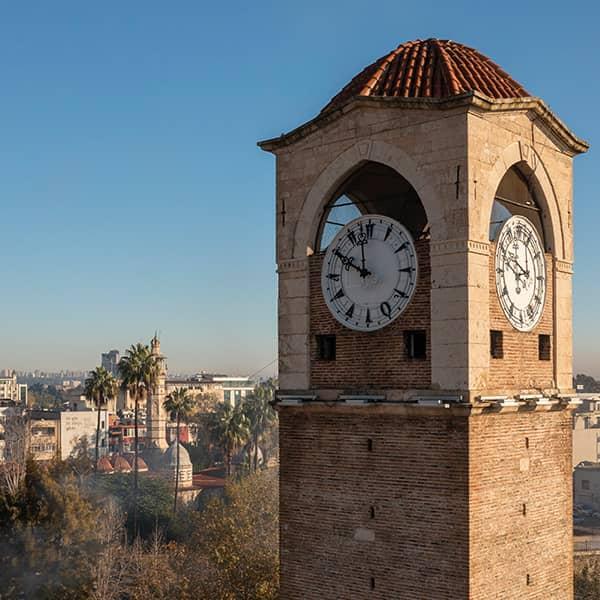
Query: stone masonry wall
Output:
(380,524)
(521,369)
(377,359)
(520,506)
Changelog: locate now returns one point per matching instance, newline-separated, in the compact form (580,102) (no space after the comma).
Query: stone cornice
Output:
(292,265)
(466,101)
(563,266)
(459,246)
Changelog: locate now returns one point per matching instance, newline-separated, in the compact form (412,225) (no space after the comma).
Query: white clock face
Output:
(520,273)
(369,272)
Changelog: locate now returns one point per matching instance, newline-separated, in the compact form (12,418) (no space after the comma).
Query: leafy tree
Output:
(587,578)
(48,534)
(41,395)
(260,415)
(139,372)
(149,508)
(100,386)
(180,404)
(238,536)
(229,429)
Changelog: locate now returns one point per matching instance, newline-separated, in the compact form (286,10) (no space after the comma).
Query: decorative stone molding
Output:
(455,246)
(563,266)
(337,170)
(522,152)
(292,265)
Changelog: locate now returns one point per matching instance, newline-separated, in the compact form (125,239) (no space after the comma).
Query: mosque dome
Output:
(430,68)
(169,464)
(130,458)
(120,464)
(170,456)
(104,465)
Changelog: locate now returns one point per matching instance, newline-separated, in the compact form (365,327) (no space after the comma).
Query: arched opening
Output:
(516,196)
(373,188)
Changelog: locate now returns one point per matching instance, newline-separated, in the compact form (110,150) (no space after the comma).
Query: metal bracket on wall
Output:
(360,399)
(294,400)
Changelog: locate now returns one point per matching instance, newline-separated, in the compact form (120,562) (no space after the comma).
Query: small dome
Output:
(104,465)
(170,456)
(142,466)
(120,464)
(430,69)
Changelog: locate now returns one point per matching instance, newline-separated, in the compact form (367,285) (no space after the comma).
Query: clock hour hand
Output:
(348,263)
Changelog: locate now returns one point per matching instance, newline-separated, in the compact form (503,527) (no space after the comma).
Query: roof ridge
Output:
(382,68)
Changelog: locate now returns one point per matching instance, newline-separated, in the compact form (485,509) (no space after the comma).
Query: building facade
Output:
(11,390)
(424,251)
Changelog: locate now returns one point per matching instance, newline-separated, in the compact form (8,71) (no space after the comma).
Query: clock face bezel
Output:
(507,287)
(392,273)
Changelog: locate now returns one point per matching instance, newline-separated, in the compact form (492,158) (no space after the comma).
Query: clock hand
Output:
(347,262)
(364,265)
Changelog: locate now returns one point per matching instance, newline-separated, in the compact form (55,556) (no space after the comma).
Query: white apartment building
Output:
(12,390)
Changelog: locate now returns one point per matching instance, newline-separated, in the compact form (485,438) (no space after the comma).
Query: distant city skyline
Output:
(136,197)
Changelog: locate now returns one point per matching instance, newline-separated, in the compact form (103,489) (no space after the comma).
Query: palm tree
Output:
(260,415)
(230,429)
(100,386)
(179,403)
(139,372)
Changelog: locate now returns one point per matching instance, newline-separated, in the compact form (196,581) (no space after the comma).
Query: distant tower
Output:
(110,361)
(156,416)
(425,254)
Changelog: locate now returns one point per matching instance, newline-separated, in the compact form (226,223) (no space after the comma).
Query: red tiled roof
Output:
(430,69)
(104,465)
(120,464)
(208,482)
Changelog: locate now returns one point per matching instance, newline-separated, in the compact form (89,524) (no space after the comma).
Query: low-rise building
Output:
(44,434)
(78,430)
(586,485)
(586,429)
(11,390)
(210,389)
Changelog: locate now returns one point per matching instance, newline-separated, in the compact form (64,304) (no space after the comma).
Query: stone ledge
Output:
(563,266)
(459,246)
(291,265)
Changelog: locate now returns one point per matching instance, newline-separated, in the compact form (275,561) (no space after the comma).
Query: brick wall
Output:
(415,478)
(516,459)
(445,490)
(520,368)
(373,360)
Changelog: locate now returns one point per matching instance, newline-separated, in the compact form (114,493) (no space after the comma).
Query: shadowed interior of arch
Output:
(515,196)
(373,188)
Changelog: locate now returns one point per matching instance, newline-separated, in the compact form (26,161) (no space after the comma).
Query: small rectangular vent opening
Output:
(326,347)
(416,344)
(496,344)
(544,347)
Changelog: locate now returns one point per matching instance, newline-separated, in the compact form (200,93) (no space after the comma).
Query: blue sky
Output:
(133,196)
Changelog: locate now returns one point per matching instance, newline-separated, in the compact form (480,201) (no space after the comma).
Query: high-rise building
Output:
(425,259)
(110,361)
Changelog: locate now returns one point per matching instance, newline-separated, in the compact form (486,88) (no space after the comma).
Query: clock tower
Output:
(425,251)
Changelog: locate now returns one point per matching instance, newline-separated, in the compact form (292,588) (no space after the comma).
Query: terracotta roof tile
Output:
(430,69)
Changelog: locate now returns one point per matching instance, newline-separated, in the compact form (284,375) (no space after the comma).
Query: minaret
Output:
(155,413)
